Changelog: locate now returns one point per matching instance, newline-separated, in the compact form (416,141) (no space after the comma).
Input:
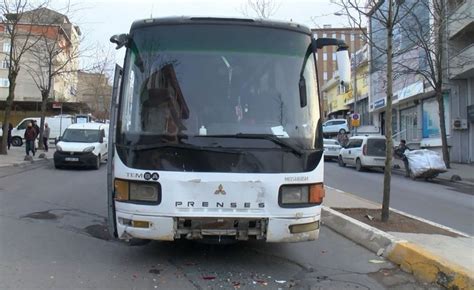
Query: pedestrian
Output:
(400,153)
(345,139)
(46,132)
(9,136)
(37,131)
(30,137)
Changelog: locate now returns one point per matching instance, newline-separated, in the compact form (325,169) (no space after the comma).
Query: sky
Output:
(98,20)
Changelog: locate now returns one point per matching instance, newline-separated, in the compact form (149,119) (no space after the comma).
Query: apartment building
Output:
(53,26)
(95,91)
(415,113)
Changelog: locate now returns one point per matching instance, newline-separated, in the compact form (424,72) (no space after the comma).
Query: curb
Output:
(24,163)
(411,258)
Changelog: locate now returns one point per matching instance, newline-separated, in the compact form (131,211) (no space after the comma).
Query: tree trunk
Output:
(6,119)
(388,119)
(44,102)
(440,30)
(442,125)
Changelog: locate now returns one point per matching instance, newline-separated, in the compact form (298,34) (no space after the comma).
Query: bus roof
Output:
(219,21)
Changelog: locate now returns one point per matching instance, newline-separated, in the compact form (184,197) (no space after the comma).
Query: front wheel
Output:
(342,131)
(97,163)
(340,162)
(359,166)
(16,141)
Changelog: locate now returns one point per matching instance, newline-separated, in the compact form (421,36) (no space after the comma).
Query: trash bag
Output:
(425,163)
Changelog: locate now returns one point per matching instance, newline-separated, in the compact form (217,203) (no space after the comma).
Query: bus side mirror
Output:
(120,40)
(344,65)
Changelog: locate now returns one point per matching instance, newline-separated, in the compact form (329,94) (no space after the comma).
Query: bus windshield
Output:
(185,83)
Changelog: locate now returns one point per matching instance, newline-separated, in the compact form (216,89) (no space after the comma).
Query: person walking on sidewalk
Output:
(9,136)
(30,137)
(37,130)
(46,132)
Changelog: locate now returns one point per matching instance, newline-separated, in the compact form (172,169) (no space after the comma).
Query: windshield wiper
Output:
(269,137)
(143,147)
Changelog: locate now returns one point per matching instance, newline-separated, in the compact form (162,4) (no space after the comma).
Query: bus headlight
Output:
(144,192)
(147,192)
(301,195)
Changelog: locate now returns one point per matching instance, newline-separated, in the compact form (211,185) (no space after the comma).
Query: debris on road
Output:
(209,277)
(376,261)
(371,218)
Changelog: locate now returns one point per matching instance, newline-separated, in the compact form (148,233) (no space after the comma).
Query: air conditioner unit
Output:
(459,124)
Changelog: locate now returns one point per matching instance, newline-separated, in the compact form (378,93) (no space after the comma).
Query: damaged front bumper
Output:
(196,228)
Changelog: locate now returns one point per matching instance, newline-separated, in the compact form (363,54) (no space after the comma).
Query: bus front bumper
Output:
(269,229)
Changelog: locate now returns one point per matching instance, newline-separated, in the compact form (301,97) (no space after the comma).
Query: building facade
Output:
(415,114)
(326,57)
(44,27)
(460,56)
(95,91)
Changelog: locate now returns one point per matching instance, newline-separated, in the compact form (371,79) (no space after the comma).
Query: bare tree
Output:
(428,45)
(261,8)
(22,38)
(94,88)
(54,57)
(384,15)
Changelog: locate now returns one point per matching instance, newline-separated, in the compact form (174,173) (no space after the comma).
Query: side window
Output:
(357,143)
(349,144)
(340,122)
(330,123)
(23,125)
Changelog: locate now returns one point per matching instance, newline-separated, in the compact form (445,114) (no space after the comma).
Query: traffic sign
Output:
(355,123)
(355,116)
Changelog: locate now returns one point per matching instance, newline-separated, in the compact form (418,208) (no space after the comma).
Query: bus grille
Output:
(238,228)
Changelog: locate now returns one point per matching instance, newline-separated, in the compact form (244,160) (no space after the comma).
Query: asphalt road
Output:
(52,236)
(446,203)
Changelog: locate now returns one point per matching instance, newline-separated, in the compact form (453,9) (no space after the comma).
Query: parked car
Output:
(82,145)
(335,126)
(331,148)
(363,152)
(56,124)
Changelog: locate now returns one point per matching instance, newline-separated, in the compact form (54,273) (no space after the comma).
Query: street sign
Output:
(355,116)
(355,123)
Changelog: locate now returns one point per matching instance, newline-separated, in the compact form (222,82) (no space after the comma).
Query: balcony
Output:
(462,64)
(462,19)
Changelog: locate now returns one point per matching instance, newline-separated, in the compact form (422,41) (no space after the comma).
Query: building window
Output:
(325,56)
(352,36)
(325,35)
(315,35)
(334,35)
(343,36)
(317,56)
(325,76)
(4,83)
(6,47)
(333,56)
(5,64)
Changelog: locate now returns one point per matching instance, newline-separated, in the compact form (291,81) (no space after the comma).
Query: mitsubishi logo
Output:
(220,190)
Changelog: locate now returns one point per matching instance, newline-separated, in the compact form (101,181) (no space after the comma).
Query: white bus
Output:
(216,131)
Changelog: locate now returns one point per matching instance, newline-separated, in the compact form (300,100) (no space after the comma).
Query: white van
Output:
(363,152)
(57,125)
(83,145)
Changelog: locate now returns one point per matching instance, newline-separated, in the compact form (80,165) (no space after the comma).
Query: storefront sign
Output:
(379,104)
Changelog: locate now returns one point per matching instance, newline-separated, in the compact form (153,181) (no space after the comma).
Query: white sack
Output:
(423,162)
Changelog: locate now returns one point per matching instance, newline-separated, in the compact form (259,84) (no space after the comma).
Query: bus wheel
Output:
(16,141)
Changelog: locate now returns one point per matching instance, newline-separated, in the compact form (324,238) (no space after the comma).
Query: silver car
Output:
(331,148)
(335,126)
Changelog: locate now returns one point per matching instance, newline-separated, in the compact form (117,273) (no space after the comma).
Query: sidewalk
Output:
(16,156)
(444,259)
(463,171)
